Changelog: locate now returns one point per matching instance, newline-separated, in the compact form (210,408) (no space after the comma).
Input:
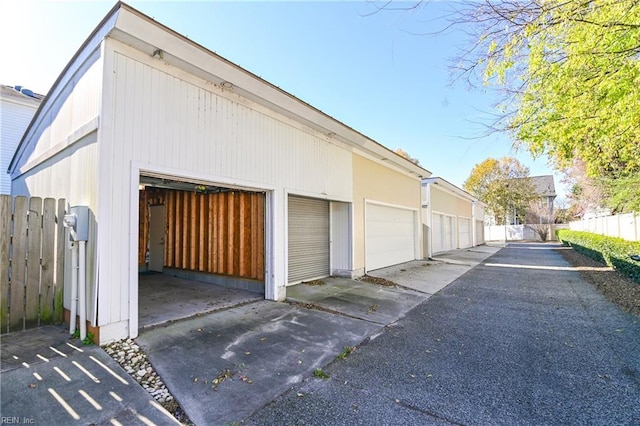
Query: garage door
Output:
(442,231)
(479,232)
(308,239)
(390,236)
(464,232)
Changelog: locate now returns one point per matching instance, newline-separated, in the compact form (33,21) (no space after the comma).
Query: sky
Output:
(385,74)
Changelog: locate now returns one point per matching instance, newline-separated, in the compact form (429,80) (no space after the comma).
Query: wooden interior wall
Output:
(219,233)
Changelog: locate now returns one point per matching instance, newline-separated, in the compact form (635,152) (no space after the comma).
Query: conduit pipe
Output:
(82,283)
(74,287)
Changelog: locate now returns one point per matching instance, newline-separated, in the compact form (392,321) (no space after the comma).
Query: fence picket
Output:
(47,284)
(18,267)
(34,240)
(5,243)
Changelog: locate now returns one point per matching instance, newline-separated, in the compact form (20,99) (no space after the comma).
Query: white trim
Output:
(397,206)
(74,137)
(138,169)
(321,196)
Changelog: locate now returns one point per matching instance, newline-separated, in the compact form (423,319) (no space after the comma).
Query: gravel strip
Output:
(135,362)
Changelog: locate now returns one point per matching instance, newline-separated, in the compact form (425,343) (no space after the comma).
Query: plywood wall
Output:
(218,233)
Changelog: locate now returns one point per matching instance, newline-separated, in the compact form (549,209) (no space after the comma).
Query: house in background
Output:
(17,107)
(192,166)
(544,193)
(451,217)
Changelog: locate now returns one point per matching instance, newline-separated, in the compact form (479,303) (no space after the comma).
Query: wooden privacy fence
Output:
(32,248)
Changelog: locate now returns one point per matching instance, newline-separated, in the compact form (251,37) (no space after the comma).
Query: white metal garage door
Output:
(442,231)
(479,232)
(308,239)
(464,232)
(390,236)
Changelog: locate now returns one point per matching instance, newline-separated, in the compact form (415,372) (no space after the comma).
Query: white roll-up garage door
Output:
(390,235)
(464,232)
(308,239)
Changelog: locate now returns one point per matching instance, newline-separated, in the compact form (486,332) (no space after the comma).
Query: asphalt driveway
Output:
(520,339)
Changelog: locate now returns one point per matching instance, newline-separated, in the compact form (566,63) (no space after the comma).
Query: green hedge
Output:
(611,251)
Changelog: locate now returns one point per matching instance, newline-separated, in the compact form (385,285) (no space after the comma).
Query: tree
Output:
(539,217)
(404,154)
(569,73)
(503,185)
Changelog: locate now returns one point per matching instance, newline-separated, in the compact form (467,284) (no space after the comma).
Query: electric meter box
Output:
(80,230)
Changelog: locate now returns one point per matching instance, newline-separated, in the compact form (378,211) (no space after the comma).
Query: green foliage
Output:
(318,373)
(88,340)
(571,77)
(503,185)
(348,350)
(611,251)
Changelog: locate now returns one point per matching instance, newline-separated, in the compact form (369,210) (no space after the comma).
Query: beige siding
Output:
(376,182)
(444,202)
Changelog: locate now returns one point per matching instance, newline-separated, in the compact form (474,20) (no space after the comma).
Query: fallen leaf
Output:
(32,385)
(300,394)
(247,353)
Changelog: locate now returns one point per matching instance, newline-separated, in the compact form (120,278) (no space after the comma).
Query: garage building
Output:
(193,166)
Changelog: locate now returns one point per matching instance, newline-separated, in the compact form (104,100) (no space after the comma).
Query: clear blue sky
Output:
(372,72)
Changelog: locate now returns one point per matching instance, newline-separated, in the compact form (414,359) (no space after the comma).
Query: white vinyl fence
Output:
(626,226)
(518,232)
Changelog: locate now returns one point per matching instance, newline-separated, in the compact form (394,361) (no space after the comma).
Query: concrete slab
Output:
(370,302)
(163,298)
(48,378)
(431,276)
(255,351)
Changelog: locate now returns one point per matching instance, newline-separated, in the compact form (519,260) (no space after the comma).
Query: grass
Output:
(319,374)
(348,350)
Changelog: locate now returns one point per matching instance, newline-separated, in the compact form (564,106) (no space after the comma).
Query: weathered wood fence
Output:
(32,248)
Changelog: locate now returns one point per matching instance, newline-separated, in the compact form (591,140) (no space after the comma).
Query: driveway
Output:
(520,339)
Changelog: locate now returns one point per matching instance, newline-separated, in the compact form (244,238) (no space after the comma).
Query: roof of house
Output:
(132,27)
(544,185)
(20,93)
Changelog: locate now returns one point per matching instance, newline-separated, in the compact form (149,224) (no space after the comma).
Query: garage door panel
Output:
(390,236)
(308,224)
(464,232)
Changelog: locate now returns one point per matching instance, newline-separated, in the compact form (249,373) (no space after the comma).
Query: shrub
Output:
(611,251)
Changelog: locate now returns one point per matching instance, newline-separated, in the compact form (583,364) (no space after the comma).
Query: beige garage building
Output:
(451,217)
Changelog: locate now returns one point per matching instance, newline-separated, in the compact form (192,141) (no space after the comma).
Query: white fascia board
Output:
(143,33)
(450,188)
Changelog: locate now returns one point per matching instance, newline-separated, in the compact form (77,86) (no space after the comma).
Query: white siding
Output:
(168,119)
(14,119)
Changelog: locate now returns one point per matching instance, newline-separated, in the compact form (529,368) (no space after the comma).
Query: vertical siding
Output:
(164,120)
(176,121)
